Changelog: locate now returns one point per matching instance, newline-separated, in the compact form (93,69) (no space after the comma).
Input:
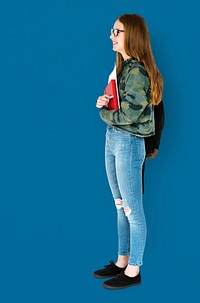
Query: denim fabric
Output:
(124,157)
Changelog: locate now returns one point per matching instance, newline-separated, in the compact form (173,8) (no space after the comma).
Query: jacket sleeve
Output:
(133,103)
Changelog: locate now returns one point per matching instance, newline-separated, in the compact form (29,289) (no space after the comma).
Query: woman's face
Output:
(118,40)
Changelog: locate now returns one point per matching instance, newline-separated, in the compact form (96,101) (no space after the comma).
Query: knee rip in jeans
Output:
(127,210)
(118,203)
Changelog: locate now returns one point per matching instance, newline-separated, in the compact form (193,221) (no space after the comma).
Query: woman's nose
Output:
(112,36)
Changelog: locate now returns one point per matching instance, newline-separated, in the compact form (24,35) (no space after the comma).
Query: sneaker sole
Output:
(121,287)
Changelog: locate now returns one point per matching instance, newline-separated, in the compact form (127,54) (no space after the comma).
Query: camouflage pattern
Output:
(136,114)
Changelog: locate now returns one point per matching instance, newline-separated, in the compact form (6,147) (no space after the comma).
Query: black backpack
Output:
(152,143)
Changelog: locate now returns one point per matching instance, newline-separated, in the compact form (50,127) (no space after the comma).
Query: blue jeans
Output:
(124,157)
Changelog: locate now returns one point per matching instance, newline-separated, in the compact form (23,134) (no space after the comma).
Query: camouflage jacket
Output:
(136,113)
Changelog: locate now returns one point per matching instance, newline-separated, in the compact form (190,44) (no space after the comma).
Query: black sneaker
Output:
(122,281)
(109,270)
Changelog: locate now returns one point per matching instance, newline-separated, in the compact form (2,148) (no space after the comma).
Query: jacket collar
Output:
(129,61)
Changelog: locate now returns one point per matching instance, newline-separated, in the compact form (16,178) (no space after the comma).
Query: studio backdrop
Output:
(58,220)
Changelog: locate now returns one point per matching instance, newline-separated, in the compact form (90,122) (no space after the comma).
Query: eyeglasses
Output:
(115,31)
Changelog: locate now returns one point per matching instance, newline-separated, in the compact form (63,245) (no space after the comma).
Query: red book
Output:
(111,89)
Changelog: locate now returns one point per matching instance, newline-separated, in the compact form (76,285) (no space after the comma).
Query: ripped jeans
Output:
(124,157)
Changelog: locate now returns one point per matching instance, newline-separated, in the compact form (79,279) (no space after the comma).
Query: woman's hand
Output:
(103,101)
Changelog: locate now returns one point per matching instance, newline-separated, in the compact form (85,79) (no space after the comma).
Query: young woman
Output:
(140,88)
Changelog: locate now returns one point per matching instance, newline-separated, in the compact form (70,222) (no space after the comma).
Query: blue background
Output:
(58,220)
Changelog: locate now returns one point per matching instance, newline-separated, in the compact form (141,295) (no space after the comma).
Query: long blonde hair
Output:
(137,44)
